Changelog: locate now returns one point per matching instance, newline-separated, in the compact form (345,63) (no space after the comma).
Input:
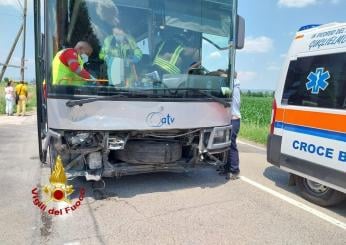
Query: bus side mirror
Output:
(240,39)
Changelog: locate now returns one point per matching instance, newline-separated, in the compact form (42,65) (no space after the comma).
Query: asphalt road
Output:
(198,207)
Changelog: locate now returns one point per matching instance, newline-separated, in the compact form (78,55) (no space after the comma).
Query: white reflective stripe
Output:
(72,61)
(297,204)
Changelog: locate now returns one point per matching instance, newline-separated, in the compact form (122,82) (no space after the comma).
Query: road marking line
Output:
(72,243)
(296,203)
(254,146)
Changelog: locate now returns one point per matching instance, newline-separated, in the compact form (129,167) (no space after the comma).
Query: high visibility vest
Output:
(62,75)
(120,50)
(169,65)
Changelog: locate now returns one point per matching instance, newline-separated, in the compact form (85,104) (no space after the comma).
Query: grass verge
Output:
(256,114)
(254,132)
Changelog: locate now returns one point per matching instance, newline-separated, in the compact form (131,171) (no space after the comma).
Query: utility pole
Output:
(11,52)
(24,37)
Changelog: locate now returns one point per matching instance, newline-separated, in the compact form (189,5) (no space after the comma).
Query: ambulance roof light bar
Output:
(307,27)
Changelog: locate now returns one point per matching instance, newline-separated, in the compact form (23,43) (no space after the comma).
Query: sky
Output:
(270,28)
(10,22)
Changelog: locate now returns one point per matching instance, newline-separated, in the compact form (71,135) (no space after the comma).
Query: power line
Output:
(21,30)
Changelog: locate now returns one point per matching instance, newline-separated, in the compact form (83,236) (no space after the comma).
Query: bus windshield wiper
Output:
(121,94)
(72,103)
(216,99)
(127,93)
(217,46)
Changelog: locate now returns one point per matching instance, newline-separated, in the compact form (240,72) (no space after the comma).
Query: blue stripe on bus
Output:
(312,131)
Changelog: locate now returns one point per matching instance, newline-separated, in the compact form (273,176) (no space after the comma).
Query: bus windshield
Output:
(143,45)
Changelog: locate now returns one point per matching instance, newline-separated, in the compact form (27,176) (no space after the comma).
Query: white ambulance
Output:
(308,129)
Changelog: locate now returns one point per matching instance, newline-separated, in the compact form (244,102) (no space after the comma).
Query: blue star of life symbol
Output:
(318,80)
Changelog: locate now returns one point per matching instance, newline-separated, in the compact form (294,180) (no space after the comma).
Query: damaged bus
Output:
(159,90)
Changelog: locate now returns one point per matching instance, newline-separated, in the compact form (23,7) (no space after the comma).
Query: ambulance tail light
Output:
(274,107)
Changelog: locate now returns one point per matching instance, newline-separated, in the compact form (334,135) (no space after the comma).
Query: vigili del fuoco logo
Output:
(57,191)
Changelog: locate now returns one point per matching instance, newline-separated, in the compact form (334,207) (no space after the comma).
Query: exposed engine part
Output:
(75,147)
(217,161)
(60,148)
(114,154)
(94,160)
(99,185)
(93,175)
(78,138)
(85,151)
(116,143)
(149,152)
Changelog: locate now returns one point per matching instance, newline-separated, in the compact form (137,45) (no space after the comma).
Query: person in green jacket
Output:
(120,45)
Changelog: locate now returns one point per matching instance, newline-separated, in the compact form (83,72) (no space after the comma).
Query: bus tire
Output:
(317,193)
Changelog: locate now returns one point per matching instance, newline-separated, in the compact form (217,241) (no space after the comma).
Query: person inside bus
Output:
(176,54)
(121,49)
(68,65)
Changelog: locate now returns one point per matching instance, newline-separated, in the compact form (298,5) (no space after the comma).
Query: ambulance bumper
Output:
(274,149)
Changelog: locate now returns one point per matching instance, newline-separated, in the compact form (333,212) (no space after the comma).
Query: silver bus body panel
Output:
(136,115)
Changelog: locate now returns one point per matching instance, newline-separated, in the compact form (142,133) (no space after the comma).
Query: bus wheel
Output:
(317,193)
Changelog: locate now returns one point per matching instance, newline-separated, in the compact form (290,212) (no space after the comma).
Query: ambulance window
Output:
(317,81)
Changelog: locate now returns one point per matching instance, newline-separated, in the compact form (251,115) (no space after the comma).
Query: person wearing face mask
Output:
(68,65)
(122,46)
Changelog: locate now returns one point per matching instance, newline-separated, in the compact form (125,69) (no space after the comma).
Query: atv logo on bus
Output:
(159,119)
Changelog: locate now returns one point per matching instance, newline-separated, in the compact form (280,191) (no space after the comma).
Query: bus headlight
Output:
(219,138)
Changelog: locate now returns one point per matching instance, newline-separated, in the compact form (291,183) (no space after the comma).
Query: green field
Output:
(31,104)
(256,114)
